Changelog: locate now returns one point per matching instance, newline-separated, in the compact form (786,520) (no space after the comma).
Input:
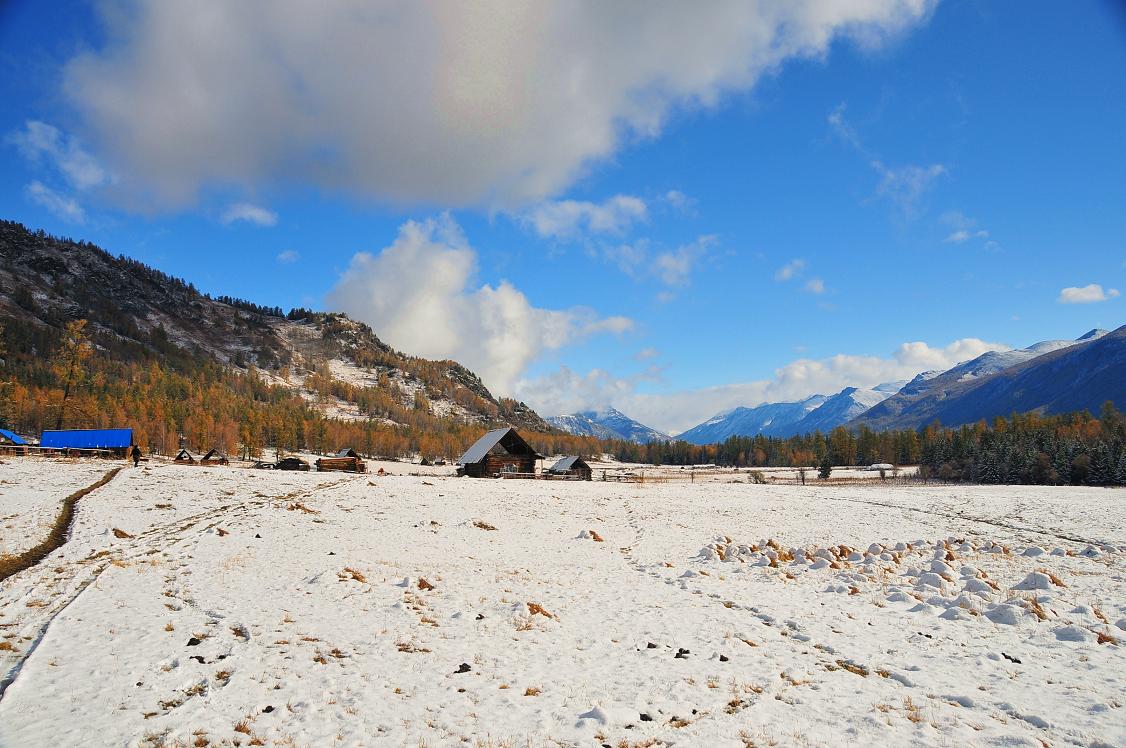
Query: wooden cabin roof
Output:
(506,438)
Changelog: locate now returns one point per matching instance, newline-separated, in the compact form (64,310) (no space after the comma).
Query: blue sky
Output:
(683,211)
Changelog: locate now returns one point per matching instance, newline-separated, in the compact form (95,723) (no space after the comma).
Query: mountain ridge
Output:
(137,313)
(608,423)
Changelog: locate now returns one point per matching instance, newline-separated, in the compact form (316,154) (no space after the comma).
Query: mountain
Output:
(1081,374)
(769,418)
(606,424)
(138,315)
(837,410)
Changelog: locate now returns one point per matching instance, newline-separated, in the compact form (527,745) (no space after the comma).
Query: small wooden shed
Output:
(573,467)
(214,457)
(499,452)
(347,452)
(184,457)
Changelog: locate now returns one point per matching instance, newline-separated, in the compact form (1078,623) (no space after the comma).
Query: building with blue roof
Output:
(11,437)
(116,440)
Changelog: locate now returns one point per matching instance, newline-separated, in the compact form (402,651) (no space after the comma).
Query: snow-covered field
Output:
(31,494)
(262,608)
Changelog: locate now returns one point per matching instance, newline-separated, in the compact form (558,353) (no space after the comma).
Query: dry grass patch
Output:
(532,691)
(424,585)
(242,726)
(482,525)
(536,609)
(350,573)
(6,646)
(853,668)
(1105,637)
(1037,609)
(595,536)
(410,647)
(121,534)
(297,506)
(913,712)
(1055,580)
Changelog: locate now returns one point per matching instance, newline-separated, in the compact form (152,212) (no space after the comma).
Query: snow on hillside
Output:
(992,362)
(317,609)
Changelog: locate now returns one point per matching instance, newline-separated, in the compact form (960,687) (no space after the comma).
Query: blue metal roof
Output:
(87,439)
(12,437)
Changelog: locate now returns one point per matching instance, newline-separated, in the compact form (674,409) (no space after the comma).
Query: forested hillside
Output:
(93,340)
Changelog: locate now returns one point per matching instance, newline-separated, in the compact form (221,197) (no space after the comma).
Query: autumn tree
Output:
(69,364)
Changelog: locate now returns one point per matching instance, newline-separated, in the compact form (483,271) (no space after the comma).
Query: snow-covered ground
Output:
(257,607)
(32,492)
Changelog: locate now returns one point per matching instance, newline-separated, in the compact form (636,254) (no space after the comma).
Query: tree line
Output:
(1072,448)
(172,398)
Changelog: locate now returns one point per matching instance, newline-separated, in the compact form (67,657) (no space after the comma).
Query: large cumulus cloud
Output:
(496,102)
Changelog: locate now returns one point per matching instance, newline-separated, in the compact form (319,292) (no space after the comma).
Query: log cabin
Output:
(573,467)
(499,452)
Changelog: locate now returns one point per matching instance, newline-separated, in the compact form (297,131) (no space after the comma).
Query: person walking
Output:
(136,455)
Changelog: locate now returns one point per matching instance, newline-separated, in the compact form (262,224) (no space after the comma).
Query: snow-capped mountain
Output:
(954,397)
(994,361)
(769,418)
(607,424)
(838,410)
(917,402)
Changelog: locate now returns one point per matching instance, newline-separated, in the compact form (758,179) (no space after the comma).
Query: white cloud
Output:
(567,391)
(671,267)
(64,207)
(962,235)
(40,142)
(680,202)
(902,185)
(675,268)
(500,103)
(646,353)
(250,214)
(570,219)
(964,228)
(789,270)
(1088,294)
(815,286)
(418,295)
(905,185)
(288,257)
(674,412)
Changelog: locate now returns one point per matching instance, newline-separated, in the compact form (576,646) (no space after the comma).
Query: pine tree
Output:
(1120,471)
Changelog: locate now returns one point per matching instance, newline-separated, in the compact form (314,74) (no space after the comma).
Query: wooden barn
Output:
(499,452)
(347,452)
(214,457)
(571,467)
